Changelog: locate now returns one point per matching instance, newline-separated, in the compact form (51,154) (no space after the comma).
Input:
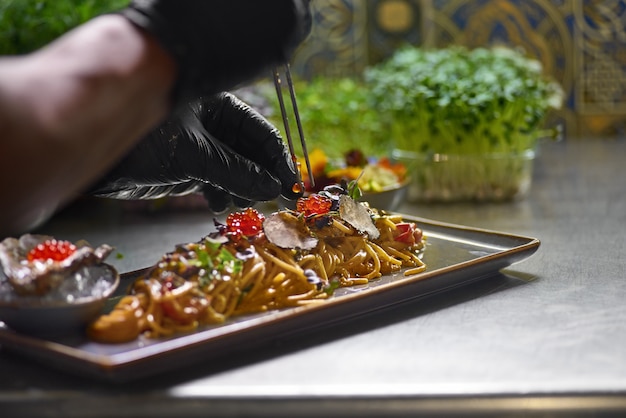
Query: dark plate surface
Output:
(455,255)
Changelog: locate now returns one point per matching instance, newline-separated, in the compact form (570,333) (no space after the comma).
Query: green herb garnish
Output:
(216,260)
(353,189)
(332,286)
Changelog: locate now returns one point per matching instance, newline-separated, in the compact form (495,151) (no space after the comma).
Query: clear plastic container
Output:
(457,178)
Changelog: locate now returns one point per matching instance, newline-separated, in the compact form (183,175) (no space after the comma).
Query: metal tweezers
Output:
(281,102)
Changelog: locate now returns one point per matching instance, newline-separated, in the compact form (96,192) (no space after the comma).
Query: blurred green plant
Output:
(460,101)
(336,116)
(26,25)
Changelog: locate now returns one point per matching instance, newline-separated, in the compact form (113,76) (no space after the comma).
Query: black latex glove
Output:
(220,44)
(218,146)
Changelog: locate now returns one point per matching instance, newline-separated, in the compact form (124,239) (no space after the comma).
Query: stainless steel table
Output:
(547,337)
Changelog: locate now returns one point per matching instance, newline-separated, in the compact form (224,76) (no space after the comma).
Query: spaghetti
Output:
(253,264)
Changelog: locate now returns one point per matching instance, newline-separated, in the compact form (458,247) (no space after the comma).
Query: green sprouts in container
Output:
(465,122)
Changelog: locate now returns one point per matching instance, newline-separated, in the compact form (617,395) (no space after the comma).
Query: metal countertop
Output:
(547,337)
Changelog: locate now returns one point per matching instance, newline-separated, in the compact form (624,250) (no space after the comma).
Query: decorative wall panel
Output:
(600,86)
(581,43)
(337,45)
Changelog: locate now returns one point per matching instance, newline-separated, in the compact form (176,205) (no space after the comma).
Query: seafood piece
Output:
(40,276)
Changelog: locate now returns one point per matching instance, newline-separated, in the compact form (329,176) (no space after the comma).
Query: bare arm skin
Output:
(70,110)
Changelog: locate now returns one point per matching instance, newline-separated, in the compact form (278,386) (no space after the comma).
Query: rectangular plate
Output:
(455,255)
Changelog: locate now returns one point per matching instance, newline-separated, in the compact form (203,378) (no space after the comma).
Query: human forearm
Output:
(104,86)
(70,111)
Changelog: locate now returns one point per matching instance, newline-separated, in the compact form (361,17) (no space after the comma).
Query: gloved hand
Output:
(218,146)
(220,44)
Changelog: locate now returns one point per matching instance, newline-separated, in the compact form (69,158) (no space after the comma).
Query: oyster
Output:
(41,277)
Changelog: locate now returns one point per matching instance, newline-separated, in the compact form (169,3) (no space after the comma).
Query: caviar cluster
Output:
(51,249)
(247,223)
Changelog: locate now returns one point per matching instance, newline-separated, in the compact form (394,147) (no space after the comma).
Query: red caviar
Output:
(248,222)
(51,249)
(314,205)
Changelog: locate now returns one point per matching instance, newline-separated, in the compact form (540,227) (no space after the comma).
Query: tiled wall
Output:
(581,43)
